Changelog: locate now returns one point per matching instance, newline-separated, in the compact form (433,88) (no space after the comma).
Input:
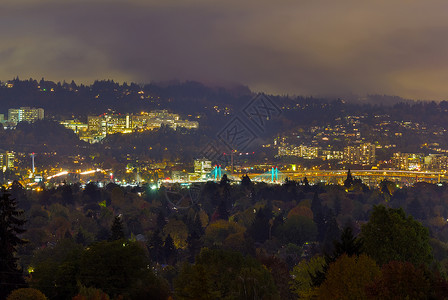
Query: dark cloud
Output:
(301,47)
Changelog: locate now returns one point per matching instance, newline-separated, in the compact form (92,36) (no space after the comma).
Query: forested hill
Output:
(215,105)
(71,98)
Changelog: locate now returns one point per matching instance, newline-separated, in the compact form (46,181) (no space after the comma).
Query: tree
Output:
(280,273)
(26,294)
(306,185)
(331,232)
(348,277)
(155,246)
(220,274)
(259,230)
(161,221)
(297,230)
(117,229)
(303,274)
(119,268)
(169,250)
(316,208)
(392,236)
(348,182)
(178,232)
(196,231)
(348,245)
(56,269)
(90,293)
(221,212)
(217,232)
(400,280)
(318,216)
(10,229)
(224,181)
(245,181)
(416,209)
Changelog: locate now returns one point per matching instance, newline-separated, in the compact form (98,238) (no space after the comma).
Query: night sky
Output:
(306,47)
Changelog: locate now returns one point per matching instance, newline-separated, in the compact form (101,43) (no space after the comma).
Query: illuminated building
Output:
(363,154)
(25,114)
(332,154)
(98,127)
(408,161)
(75,125)
(367,153)
(299,151)
(436,162)
(186,124)
(6,160)
(118,123)
(94,123)
(202,166)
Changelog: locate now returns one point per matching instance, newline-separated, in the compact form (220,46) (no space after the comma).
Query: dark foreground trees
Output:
(26,294)
(118,268)
(390,235)
(10,228)
(220,274)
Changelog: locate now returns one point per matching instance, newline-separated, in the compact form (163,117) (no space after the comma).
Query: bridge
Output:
(271,176)
(369,177)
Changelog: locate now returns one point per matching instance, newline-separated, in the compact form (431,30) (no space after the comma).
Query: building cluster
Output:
(98,127)
(306,152)
(362,154)
(203,169)
(420,162)
(22,114)
(6,160)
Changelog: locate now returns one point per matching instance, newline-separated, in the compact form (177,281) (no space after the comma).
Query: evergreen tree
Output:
(332,232)
(305,181)
(161,221)
(306,184)
(318,216)
(259,230)
(195,228)
(10,227)
(221,211)
(117,229)
(348,182)
(155,245)
(225,185)
(169,250)
(194,237)
(348,244)
(245,181)
(224,180)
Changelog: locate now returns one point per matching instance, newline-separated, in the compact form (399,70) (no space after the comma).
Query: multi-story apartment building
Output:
(363,154)
(6,159)
(25,114)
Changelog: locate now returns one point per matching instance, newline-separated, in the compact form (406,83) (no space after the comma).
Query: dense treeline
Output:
(221,240)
